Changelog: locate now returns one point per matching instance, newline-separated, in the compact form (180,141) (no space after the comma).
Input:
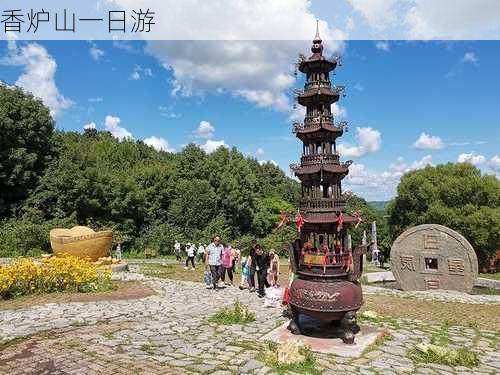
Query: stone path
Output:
(168,333)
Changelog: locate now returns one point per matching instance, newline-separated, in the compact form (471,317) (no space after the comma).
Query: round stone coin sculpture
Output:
(432,256)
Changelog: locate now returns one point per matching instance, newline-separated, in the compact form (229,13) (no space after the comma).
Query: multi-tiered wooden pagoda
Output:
(327,266)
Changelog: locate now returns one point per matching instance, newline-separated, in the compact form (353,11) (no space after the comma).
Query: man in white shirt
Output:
(190,250)
(177,250)
(214,259)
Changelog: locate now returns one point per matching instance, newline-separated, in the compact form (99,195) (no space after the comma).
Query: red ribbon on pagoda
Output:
(357,215)
(299,221)
(340,222)
(347,264)
(283,220)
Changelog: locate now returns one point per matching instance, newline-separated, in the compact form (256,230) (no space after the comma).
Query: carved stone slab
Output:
(432,256)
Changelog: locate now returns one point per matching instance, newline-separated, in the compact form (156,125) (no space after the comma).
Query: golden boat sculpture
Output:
(82,242)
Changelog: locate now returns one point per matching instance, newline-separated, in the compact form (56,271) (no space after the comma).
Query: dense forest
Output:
(52,178)
(148,198)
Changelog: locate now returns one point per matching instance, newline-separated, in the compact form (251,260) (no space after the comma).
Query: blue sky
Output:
(395,92)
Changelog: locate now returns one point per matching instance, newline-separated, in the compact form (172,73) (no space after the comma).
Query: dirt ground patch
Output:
(122,290)
(485,316)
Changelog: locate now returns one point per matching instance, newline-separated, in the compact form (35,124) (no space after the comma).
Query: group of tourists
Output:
(259,264)
(222,262)
(194,254)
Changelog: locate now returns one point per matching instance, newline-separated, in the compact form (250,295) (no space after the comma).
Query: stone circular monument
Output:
(432,256)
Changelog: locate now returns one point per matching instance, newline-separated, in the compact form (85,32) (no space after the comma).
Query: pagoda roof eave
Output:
(323,128)
(315,62)
(316,168)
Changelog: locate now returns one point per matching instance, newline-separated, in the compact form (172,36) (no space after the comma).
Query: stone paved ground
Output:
(168,333)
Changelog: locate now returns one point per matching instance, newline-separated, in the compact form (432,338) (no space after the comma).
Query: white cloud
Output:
(39,74)
(159,144)
(378,13)
(259,72)
(97,99)
(374,184)
(471,158)
(266,98)
(234,20)
(167,111)
(470,57)
(494,163)
(339,111)
(112,124)
(210,146)
(428,142)
(452,19)
(383,45)
(204,130)
(259,151)
(219,56)
(422,163)
(139,72)
(95,52)
(89,126)
(368,141)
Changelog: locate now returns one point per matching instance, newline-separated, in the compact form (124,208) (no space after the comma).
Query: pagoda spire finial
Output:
(317,37)
(317,46)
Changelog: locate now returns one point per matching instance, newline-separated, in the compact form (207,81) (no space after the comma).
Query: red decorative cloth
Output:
(347,263)
(340,221)
(283,220)
(286,296)
(299,221)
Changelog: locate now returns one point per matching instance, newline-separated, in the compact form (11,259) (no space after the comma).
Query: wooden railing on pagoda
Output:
(316,158)
(321,203)
(313,120)
(317,83)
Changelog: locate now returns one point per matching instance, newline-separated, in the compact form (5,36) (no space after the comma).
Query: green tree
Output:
(267,214)
(455,195)
(193,206)
(26,145)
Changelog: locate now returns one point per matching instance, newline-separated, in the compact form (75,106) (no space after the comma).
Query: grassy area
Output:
(481,316)
(236,314)
(369,267)
(173,271)
(492,276)
(119,290)
(177,272)
(443,356)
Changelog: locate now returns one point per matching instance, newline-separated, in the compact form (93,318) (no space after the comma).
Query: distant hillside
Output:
(379,205)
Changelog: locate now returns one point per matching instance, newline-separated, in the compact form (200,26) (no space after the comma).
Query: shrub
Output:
(429,353)
(289,358)
(236,314)
(55,274)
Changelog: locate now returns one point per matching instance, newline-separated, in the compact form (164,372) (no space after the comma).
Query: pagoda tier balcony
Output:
(317,63)
(319,94)
(311,128)
(315,159)
(307,170)
(316,84)
(322,204)
(313,120)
